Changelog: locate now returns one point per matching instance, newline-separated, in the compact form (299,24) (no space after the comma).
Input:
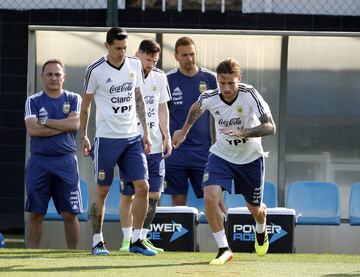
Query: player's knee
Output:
(141,188)
(69,217)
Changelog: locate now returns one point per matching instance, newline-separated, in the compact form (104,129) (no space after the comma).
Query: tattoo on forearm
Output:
(96,219)
(267,127)
(194,114)
(140,109)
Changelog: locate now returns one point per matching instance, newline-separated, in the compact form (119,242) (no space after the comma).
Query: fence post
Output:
(112,13)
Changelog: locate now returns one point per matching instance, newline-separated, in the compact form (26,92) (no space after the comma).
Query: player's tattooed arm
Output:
(140,109)
(265,128)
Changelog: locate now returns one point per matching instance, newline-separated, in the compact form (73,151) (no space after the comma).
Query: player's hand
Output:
(167,147)
(231,132)
(147,144)
(178,138)
(86,146)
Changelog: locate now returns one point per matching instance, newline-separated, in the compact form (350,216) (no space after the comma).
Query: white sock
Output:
(127,233)
(135,235)
(144,233)
(97,238)
(221,239)
(260,228)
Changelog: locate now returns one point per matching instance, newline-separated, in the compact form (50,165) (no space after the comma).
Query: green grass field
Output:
(45,262)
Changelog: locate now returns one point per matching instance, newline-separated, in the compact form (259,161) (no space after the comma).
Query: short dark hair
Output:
(183,41)
(229,66)
(115,33)
(149,46)
(59,62)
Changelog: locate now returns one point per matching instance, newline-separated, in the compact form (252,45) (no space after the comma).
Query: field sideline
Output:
(45,262)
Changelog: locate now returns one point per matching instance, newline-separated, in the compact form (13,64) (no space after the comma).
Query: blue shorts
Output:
(156,167)
(182,166)
(127,153)
(248,178)
(56,177)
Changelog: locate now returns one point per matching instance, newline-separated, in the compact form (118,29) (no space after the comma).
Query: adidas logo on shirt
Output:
(109,80)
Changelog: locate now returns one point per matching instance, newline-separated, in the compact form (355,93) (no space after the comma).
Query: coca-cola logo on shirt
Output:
(231,122)
(121,88)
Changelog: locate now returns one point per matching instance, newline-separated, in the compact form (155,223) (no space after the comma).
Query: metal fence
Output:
(309,7)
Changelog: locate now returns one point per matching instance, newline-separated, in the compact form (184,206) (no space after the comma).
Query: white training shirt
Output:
(242,113)
(114,96)
(155,91)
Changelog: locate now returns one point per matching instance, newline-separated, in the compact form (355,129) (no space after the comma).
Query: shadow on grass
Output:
(91,268)
(356,274)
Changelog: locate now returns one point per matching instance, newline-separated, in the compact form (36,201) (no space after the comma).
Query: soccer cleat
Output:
(139,248)
(125,245)
(149,245)
(261,243)
(100,249)
(222,258)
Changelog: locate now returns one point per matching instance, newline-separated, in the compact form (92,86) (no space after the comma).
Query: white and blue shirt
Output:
(243,112)
(155,91)
(56,108)
(185,91)
(114,95)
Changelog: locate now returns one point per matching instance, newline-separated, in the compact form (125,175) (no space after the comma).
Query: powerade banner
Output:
(280,228)
(174,229)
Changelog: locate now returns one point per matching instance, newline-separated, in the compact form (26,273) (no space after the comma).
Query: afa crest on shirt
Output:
(153,87)
(101,175)
(66,107)
(132,75)
(239,109)
(202,87)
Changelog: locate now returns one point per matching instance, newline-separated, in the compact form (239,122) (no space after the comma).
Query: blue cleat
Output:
(139,248)
(100,249)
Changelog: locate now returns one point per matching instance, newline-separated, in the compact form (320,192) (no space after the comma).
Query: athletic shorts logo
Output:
(122,185)
(101,175)
(206,176)
(66,107)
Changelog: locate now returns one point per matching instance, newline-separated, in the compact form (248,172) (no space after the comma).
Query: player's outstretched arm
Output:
(180,135)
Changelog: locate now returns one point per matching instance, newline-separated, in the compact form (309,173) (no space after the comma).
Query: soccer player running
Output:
(113,81)
(242,117)
(156,94)
(188,161)
(52,118)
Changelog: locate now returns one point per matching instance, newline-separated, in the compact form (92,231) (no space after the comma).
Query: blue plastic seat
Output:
(52,214)
(315,203)
(165,200)
(354,205)
(112,202)
(237,200)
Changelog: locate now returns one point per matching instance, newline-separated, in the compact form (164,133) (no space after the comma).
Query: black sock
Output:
(260,238)
(221,251)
